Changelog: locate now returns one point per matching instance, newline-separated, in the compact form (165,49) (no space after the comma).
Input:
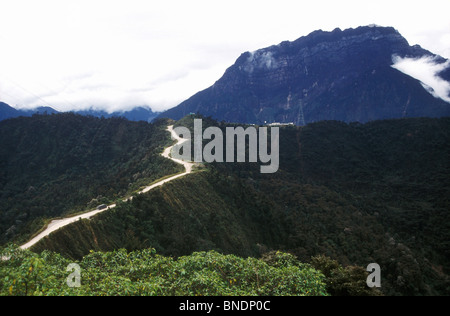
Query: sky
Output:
(115,55)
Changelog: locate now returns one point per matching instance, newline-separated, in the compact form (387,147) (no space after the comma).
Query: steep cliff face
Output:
(340,75)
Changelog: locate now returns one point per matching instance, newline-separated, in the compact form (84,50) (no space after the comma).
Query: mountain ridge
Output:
(339,75)
(360,193)
(138,113)
(7,112)
(53,165)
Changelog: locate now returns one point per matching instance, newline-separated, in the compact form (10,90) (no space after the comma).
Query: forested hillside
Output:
(53,165)
(359,194)
(147,273)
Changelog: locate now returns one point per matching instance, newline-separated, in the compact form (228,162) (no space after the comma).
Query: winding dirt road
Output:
(57,224)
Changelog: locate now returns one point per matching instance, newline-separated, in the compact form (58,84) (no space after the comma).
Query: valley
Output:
(355,193)
(358,175)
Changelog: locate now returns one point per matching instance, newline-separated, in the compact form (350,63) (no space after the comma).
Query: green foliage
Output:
(361,193)
(355,193)
(54,165)
(144,272)
(29,274)
(220,214)
(279,259)
(348,281)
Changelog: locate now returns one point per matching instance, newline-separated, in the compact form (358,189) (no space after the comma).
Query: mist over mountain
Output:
(340,75)
(7,111)
(136,114)
(345,195)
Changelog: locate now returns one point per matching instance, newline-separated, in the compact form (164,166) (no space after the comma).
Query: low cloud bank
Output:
(426,69)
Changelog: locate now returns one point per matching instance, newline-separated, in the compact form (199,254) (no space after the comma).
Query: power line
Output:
(301,115)
(29,92)
(2,93)
(57,94)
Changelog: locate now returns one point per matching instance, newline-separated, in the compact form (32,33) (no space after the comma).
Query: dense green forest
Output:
(357,194)
(53,165)
(145,273)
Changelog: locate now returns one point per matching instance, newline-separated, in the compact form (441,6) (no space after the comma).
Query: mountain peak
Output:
(343,75)
(324,42)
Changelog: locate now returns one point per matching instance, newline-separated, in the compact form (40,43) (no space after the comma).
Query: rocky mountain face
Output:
(339,75)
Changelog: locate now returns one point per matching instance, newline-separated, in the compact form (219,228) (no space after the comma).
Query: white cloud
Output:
(121,53)
(427,70)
